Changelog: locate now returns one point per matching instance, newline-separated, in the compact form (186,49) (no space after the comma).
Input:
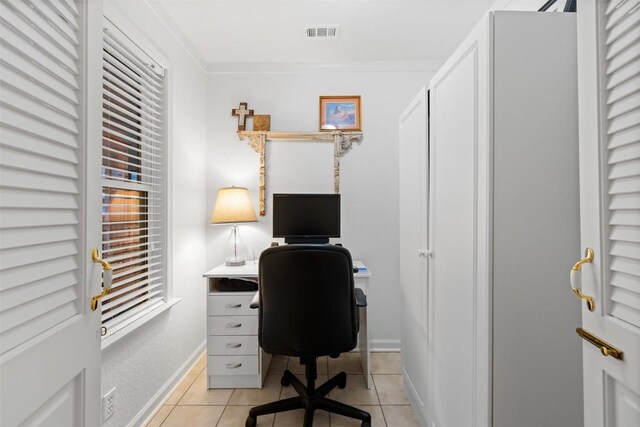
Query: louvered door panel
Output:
(39,178)
(621,36)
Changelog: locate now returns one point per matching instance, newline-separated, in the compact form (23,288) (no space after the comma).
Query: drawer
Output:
(233,325)
(230,344)
(230,305)
(232,365)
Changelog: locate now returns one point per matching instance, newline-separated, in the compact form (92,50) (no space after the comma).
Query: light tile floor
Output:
(191,404)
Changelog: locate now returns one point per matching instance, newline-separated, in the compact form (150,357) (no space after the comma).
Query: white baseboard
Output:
(385,345)
(148,410)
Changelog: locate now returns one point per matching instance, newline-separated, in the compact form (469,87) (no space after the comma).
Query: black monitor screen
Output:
(306,216)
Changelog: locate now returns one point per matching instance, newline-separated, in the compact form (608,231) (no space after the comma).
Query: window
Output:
(133,180)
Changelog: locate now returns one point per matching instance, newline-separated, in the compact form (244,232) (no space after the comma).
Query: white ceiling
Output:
(273,31)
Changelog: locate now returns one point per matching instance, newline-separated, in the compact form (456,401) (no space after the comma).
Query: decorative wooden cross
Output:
(242,112)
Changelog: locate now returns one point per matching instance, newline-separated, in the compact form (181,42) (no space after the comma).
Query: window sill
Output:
(124,330)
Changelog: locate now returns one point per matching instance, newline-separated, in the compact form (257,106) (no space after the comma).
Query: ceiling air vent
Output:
(323,32)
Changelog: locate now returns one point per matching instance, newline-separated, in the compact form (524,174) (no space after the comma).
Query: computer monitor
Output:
(306,218)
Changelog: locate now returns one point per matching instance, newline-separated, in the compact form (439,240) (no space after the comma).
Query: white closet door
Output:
(457,346)
(609,85)
(413,251)
(49,214)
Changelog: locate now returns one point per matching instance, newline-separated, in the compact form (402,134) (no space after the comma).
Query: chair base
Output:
(310,399)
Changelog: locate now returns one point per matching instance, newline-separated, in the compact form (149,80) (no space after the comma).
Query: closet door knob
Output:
(425,253)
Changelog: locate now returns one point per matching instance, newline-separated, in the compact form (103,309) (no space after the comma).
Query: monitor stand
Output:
(306,240)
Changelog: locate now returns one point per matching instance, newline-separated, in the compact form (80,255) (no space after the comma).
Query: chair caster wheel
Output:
(367,420)
(342,380)
(251,422)
(285,381)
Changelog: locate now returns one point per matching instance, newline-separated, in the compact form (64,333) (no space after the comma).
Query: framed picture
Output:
(340,113)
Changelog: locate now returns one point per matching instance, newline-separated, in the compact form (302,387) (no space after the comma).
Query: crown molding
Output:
(180,37)
(301,67)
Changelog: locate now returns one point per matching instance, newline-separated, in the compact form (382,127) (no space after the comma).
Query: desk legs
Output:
(363,343)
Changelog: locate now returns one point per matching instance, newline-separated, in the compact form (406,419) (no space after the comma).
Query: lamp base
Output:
(236,251)
(234,262)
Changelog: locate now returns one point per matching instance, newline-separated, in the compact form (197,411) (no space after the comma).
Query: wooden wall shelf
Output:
(299,136)
(341,140)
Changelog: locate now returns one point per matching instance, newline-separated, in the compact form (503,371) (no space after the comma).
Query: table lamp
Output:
(232,207)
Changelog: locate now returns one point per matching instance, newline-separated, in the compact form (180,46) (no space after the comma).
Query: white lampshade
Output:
(233,205)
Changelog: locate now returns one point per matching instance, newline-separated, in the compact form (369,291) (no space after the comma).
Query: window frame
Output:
(137,43)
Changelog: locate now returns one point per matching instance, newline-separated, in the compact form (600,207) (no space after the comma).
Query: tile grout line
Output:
(379,401)
(165,418)
(222,415)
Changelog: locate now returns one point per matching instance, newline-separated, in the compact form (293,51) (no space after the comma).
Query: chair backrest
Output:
(307,301)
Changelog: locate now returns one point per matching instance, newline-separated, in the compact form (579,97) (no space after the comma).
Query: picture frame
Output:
(340,113)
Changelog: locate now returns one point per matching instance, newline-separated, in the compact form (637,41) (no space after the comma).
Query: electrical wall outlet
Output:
(108,404)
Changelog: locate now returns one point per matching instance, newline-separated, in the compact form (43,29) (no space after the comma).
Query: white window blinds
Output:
(621,90)
(133,180)
(40,143)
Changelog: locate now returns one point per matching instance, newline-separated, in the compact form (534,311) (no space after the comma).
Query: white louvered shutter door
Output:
(39,177)
(621,38)
(133,180)
(49,147)
(609,107)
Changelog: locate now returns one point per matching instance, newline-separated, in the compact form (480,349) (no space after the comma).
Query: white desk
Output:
(230,365)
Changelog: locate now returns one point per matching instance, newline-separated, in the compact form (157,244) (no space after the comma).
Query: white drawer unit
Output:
(234,359)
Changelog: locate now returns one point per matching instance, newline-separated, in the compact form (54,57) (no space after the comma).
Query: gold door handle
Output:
(575,278)
(107,278)
(605,348)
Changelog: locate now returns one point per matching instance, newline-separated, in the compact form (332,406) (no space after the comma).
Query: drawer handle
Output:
(233,345)
(233,305)
(233,365)
(233,325)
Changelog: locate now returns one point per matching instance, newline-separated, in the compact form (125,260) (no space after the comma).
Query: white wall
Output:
(143,362)
(369,171)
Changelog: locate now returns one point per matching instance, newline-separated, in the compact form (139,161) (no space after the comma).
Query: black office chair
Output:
(308,308)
